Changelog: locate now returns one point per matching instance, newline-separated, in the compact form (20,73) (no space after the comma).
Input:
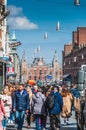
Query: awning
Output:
(66,76)
(12,74)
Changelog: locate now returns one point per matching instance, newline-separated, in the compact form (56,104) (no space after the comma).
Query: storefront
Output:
(2,73)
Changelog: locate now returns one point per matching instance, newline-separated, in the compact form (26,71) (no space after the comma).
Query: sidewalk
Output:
(72,123)
(71,126)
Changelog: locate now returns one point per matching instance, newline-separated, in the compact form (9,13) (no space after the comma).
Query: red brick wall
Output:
(1,1)
(67,48)
(74,37)
(71,66)
(81,35)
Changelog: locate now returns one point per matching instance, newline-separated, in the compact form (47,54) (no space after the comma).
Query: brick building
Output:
(74,54)
(40,70)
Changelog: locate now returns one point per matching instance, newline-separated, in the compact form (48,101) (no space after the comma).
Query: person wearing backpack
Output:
(38,109)
(56,109)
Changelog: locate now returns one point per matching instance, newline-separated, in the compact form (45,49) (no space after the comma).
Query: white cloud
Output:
(21,23)
(17,21)
(14,11)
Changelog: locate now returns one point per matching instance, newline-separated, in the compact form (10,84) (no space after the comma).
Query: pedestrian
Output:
(75,91)
(21,105)
(67,105)
(76,101)
(6,98)
(29,112)
(38,108)
(2,112)
(12,114)
(56,110)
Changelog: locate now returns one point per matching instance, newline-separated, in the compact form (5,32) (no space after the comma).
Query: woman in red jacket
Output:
(2,112)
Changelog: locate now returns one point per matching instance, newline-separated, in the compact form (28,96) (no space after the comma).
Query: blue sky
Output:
(30,19)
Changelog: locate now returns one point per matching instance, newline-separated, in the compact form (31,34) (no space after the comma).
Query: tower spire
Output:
(14,36)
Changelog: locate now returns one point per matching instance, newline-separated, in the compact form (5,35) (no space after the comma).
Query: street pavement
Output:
(70,126)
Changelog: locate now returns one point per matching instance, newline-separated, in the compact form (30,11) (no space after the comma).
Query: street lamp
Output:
(77,2)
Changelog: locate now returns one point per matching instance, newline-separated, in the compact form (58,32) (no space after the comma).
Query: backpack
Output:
(50,100)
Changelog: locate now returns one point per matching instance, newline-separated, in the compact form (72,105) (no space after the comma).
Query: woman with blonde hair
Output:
(8,105)
(67,105)
(2,112)
(29,113)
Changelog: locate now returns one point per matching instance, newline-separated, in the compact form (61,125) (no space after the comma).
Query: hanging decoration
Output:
(45,35)
(58,27)
(77,2)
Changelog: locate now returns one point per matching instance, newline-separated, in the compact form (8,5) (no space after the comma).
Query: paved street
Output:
(71,126)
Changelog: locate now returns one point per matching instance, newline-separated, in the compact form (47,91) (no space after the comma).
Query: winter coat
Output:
(21,102)
(2,110)
(38,106)
(12,97)
(58,104)
(67,105)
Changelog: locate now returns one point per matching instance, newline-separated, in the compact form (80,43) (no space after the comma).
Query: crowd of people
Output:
(36,104)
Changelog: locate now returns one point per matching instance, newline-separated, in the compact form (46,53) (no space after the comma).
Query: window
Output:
(69,62)
(40,72)
(82,56)
(75,59)
(29,77)
(34,77)
(34,72)
(64,63)
(50,73)
(45,72)
(56,73)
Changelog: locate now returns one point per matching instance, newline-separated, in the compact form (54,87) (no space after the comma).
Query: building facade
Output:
(40,70)
(74,54)
(24,69)
(4,12)
(13,69)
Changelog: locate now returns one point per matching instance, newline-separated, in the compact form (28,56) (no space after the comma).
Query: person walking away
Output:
(56,110)
(21,105)
(75,91)
(2,112)
(78,105)
(38,109)
(67,105)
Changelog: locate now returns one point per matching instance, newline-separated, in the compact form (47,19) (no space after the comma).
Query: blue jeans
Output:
(20,119)
(12,116)
(4,122)
(39,120)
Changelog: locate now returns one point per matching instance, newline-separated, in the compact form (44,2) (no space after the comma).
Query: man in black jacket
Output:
(21,105)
